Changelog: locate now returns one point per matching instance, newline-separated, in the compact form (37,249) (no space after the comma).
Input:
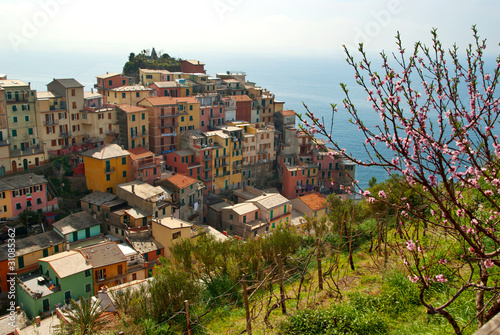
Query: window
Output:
(74,105)
(14,108)
(190,107)
(100,274)
(133,117)
(14,132)
(182,118)
(230,216)
(244,219)
(110,82)
(158,252)
(27,118)
(38,201)
(143,116)
(30,131)
(123,95)
(190,118)
(45,252)
(106,215)
(176,235)
(272,214)
(14,119)
(137,94)
(256,215)
(18,205)
(87,273)
(73,92)
(108,177)
(87,287)
(124,174)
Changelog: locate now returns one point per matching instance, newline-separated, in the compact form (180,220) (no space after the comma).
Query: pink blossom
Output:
(471,249)
(441,279)
(488,263)
(413,279)
(443,261)
(382,194)
(410,245)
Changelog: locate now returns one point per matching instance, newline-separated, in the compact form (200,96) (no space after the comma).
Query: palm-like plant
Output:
(85,317)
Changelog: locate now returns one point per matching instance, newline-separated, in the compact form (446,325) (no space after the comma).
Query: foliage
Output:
(145,60)
(437,119)
(85,318)
(338,319)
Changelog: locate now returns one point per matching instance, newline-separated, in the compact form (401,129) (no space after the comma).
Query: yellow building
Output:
(149,76)
(130,95)
(190,107)
(133,126)
(227,157)
(6,201)
(169,231)
(106,167)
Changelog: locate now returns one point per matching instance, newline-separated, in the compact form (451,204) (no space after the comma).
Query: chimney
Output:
(133,188)
(31,179)
(37,320)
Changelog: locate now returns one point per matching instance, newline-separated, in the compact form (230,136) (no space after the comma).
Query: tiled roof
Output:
(45,95)
(173,223)
(189,100)
(103,254)
(131,88)
(243,208)
(241,98)
(107,75)
(106,152)
(67,263)
(144,244)
(139,152)
(69,83)
(131,109)
(141,189)
(164,84)
(288,112)
(314,201)
(76,222)
(181,181)
(160,101)
(12,83)
(194,62)
(33,243)
(270,201)
(98,197)
(20,181)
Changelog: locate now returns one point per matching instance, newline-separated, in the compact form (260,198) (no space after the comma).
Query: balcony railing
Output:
(207,158)
(109,169)
(50,122)
(65,134)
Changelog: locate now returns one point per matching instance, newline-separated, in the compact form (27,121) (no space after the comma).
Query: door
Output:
(87,232)
(2,171)
(25,164)
(46,305)
(67,296)
(14,167)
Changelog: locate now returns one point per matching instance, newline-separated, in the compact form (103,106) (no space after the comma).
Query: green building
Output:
(63,276)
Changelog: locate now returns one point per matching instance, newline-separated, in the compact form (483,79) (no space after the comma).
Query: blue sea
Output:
(294,80)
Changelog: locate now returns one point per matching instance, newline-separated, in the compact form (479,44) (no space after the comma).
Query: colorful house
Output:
(243,220)
(169,231)
(133,126)
(187,197)
(78,226)
(313,205)
(105,167)
(192,66)
(163,123)
(109,264)
(274,208)
(128,95)
(109,81)
(153,201)
(150,249)
(185,162)
(21,192)
(144,165)
(61,277)
(30,249)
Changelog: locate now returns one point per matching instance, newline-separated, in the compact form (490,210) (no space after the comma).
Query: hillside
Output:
(150,60)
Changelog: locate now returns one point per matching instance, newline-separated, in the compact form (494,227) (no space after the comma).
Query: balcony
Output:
(36,149)
(221,164)
(65,134)
(61,106)
(109,169)
(111,132)
(167,125)
(50,122)
(207,158)
(164,116)
(169,134)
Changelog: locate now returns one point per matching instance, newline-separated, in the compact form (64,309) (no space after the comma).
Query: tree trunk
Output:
(320,270)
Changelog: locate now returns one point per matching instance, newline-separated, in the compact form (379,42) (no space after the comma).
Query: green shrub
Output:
(338,319)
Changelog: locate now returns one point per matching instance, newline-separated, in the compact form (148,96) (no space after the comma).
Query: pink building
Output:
(27,191)
(192,66)
(185,162)
(212,111)
(110,80)
(144,165)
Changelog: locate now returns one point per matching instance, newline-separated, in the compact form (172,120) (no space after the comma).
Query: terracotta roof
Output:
(241,98)
(76,222)
(314,201)
(160,101)
(189,100)
(288,112)
(139,152)
(193,62)
(130,109)
(181,181)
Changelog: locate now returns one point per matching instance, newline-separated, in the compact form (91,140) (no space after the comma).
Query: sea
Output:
(313,81)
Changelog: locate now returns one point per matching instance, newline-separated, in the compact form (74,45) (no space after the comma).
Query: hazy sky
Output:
(275,27)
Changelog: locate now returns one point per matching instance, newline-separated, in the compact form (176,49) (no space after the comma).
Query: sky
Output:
(276,28)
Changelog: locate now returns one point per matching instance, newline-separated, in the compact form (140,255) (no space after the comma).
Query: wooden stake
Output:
(247,308)
(186,305)
(282,288)
(320,270)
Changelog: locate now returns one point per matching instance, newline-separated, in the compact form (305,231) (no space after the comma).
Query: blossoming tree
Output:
(437,118)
